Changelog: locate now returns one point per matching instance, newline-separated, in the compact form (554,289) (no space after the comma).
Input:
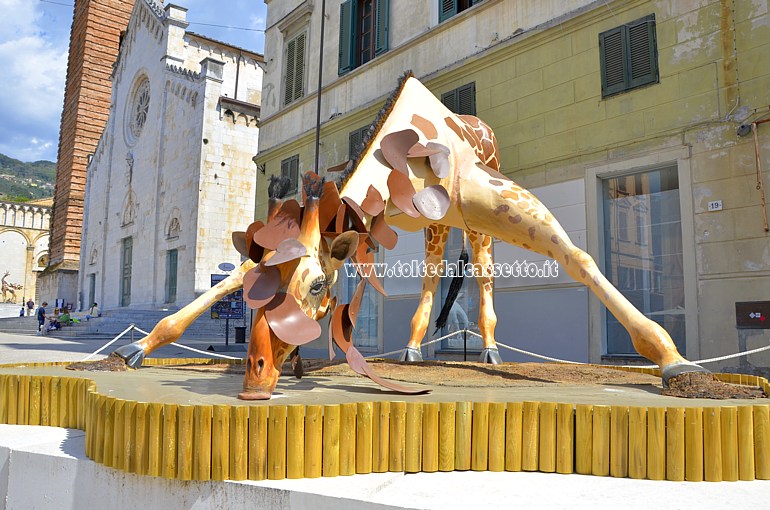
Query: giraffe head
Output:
(290,288)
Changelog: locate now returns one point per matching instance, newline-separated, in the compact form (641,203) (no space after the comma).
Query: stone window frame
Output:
(137,109)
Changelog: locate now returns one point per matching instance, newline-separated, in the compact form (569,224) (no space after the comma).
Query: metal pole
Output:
(465,345)
(227,331)
(320,81)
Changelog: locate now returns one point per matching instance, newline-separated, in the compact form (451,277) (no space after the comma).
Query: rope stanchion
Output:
(193,349)
(129,328)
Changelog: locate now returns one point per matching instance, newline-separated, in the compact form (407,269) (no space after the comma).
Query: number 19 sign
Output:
(230,306)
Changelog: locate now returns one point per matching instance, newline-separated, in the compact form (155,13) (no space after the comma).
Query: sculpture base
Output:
(180,419)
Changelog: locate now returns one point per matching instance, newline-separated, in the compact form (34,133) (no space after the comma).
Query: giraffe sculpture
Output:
(9,289)
(420,166)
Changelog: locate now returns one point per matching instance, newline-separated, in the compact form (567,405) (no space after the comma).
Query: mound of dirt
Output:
(703,385)
(112,363)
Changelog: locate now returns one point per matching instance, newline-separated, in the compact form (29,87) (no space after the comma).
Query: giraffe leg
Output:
(481,245)
(170,328)
(435,240)
(501,208)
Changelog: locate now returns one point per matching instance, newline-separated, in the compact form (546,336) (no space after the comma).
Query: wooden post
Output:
(446,436)
(331,440)
(202,416)
(169,444)
(276,446)
(762,441)
(45,401)
(530,436)
(239,443)
(729,424)
(397,436)
(97,450)
(600,458)
(184,460)
(22,401)
(413,438)
(565,438)
(675,449)
(129,435)
(746,443)
(381,437)
(154,426)
(693,437)
(547,449)
(637,442)
(55,390)
(480,437)
(348,438)
(63,406)
(712,444)
(497,436)
(430,437)
(463,420)
(4,399)
(258,442)
(656,443)
(619,441)
(584,439)
(109,430)
(117,435)
(220,443)
(313,441)
(35,391)
(295,442)
(139,452)
(513,435)
(364,416)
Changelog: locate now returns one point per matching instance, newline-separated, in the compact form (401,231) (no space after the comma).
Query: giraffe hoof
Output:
(674,369)
(132,354)
(411,355)
(490,355)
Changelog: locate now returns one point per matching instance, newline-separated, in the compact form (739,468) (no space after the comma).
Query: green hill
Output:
(21,181)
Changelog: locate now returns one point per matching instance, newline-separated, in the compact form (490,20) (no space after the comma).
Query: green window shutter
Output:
(294,173)
(299,66)
(466,99)
(613,62)
(288,92)
(446,9)
(381,27)
(642,47)
(347,36)
(450,100)
(355,140)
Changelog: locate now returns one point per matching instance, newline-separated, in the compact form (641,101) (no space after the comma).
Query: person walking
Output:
(41,318)
(30,307)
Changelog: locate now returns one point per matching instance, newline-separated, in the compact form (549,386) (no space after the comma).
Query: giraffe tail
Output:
(454,287)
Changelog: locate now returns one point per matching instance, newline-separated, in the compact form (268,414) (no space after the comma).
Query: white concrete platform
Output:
(45,468)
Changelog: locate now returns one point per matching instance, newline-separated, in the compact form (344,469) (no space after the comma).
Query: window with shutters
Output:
(356,139)
(629,56)
(363,32)
(461,100)
(290,170)
(294,70)
(448,8)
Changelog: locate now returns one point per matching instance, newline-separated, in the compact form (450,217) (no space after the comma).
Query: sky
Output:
(34,40)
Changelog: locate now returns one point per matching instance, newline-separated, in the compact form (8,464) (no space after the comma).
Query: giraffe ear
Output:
(343,246)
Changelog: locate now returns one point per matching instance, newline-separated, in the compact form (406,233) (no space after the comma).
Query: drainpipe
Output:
(237,72)
(760,185)
(320,76)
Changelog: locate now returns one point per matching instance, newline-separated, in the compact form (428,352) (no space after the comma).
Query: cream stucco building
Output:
(172,175)
(631,120)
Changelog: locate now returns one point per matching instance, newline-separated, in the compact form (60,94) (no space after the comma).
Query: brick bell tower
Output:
(94,41)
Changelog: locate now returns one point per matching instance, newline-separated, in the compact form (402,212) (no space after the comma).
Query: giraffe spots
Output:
(426,300)
(424,125)
(555,239)
(425,315)
(525,246)
(515,219)
(509,194)
(550,253)
(522,205)
(532,233)
(454,127)
(501,209)
(566,260)
(305,273)
(606,296)
(583,273)
(596,280)
(495,182)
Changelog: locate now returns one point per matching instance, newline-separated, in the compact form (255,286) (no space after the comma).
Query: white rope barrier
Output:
(109,343)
